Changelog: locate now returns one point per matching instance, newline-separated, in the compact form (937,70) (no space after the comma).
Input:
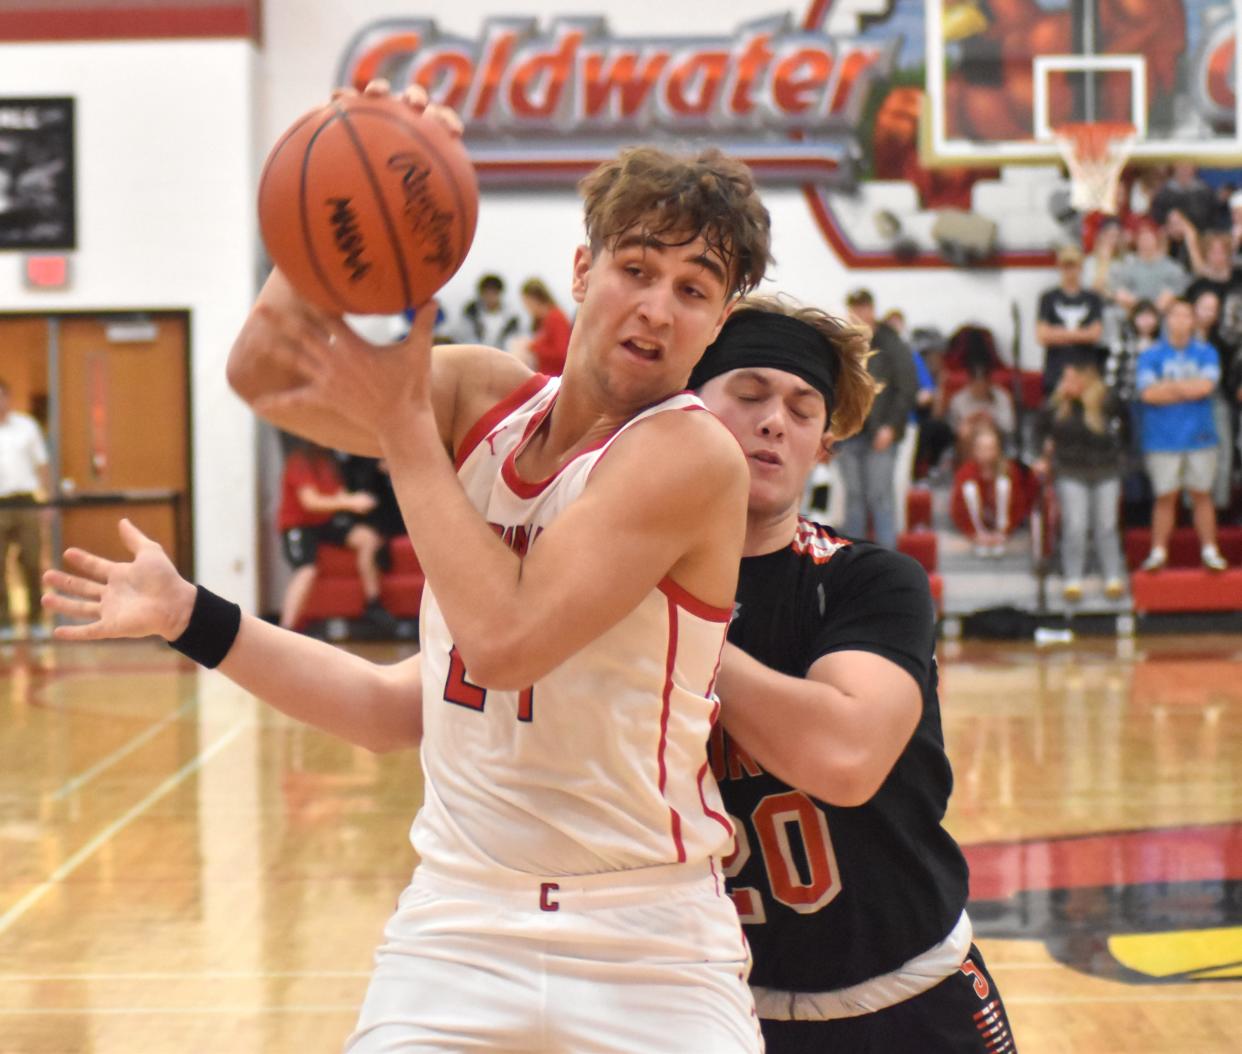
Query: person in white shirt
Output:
(23,478)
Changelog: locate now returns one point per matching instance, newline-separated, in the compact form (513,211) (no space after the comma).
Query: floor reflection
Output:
(1099,802)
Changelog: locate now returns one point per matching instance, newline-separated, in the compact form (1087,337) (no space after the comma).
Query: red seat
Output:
(337,592)
(1186,589)
(1183,546)
(921,545)
(918,508)
(1030,385)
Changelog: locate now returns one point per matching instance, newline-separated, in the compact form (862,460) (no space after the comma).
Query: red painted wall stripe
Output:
(82,22)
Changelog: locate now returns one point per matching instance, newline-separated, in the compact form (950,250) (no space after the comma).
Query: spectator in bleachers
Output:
(1234,390)
(546,350)
(486,319)
(1235,226)
(1208,330)
(1186,193)
(907,448)
(1141,332)
(1083,430)
(1176,380)
(868,460)
(981,400)
(895,319)
(1148,273)
(1097,276)
(935,436)
(992,494)
(1219,274)
(370,475)
(1184,242)
(1070,320)
(315,509)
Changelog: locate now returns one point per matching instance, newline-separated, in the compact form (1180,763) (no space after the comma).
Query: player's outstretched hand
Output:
(140,598)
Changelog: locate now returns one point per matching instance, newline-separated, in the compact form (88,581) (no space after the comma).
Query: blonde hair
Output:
(536,290)
(657,194)
(855,388)
(1094,396)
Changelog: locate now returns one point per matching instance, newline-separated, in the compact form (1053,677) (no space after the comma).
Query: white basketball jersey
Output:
(601,765)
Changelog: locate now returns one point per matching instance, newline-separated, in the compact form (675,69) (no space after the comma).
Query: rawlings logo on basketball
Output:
(787,100)
(348,237)
(422,215)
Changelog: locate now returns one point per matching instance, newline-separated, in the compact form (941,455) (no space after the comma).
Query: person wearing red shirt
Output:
(992,495)
(315,507)
(548,346)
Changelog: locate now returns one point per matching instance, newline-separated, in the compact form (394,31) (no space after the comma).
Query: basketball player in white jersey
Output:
(581,539)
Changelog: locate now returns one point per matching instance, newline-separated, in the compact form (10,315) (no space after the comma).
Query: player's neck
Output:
(577,421)
(766,531)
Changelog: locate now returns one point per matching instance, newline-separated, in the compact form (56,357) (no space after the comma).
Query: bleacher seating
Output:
(1183,546)
(1185,585)
(918,508)
(919,540)
(337,592)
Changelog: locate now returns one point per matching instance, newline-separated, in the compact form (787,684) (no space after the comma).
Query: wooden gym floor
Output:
(182,871)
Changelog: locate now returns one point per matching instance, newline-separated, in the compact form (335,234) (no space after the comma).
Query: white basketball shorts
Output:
(650,962)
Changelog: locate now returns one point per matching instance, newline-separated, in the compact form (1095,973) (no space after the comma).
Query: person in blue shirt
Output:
(1176,379)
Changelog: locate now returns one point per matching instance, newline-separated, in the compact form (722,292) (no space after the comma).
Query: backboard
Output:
(1002,74)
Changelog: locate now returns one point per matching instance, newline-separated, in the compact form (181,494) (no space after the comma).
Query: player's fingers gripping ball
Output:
(367,206)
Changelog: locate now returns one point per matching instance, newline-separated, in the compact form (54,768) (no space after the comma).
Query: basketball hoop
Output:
(1095,152)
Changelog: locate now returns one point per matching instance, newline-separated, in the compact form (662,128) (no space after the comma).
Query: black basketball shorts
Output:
(963,1014)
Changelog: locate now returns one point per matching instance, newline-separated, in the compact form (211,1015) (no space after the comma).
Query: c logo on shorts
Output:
(546,903)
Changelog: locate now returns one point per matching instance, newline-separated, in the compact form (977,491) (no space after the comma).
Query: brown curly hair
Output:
(662,195)
(855,388)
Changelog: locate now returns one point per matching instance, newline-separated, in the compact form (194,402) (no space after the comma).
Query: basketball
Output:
(368,207)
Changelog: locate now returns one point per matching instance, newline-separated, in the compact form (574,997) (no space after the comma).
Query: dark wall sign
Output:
(37,192)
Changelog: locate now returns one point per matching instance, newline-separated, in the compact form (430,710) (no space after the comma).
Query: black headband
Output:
(754,338)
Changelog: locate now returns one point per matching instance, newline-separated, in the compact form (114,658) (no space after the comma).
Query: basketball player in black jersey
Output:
(851,891)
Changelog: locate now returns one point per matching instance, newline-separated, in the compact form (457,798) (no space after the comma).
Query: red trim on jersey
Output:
(724,821)
(682,597)
(508,468)
(682,409)
(670,663)
(478,431)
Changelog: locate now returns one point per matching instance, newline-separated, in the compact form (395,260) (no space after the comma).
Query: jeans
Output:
(868,477)
(1222,489)
(1085,506)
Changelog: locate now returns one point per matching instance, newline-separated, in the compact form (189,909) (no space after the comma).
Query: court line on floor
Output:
(109,760)
(324,1008)
(184,1011)
(124,820)
(172,975)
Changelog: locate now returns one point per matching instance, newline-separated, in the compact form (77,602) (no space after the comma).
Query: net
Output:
(1095,152)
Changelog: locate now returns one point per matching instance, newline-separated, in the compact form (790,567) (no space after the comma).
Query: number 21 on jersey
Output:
(775,819)
(459,690)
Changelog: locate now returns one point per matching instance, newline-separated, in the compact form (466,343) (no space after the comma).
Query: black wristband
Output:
(213,627)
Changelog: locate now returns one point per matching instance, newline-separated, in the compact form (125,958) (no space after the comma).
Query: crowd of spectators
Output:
(1136,413)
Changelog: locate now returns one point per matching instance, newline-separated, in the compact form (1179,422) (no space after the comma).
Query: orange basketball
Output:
(367,207)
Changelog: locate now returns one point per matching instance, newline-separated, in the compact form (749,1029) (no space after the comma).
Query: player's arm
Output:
(667,499)
(834,734)
(369,705)
(837,732)
(266,365)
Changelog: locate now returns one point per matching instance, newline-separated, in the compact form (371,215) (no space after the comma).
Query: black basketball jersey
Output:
(833,896)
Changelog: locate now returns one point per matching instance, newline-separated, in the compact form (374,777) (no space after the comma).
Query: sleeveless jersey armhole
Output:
(478,431)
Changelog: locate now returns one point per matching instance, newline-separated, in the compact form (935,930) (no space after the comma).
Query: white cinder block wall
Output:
(165,145)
